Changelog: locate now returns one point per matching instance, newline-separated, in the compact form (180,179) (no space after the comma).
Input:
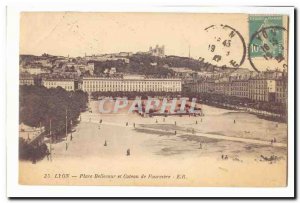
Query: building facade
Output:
(239,88)
(261,89)
(67,84)
(281,86)
(26,79)
(219,88)
(94,84)
(270,87)
(204,86)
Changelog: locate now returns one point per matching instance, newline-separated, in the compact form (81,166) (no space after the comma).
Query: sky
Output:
(80,33)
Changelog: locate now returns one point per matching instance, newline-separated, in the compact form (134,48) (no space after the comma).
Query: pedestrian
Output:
(233,121)
(156,121)
(128,152)
(200,147)
(126,123)
(196,122)
(222,156)
(271,141)
(226,157)
(105,143)
(175,132)
(134,125)
(175,123)
(274,140)
(71,137)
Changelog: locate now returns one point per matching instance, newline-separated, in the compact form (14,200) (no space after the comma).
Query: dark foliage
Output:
(219,100)
(38,105)
(31,152)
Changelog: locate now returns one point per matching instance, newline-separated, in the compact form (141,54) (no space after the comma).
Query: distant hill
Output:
(145,64)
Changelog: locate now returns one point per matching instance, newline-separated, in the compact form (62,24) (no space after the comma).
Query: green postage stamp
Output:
(266,36)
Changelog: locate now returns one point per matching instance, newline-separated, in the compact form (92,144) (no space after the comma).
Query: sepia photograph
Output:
(153,99)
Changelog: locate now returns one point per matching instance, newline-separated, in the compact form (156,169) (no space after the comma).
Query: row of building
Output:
(131,84)
(262,87)
(111,84)
(267,87)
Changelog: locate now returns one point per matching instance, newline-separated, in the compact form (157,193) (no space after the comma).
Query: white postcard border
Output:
(12,109)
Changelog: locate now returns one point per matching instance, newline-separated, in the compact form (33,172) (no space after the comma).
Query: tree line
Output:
(39,105)
(218,100)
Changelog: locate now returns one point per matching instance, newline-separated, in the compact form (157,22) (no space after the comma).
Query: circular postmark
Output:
(226,46)
(267,50)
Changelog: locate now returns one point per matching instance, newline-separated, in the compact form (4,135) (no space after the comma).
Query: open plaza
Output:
(221,148)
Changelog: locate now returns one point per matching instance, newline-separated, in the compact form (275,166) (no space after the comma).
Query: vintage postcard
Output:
(153,99)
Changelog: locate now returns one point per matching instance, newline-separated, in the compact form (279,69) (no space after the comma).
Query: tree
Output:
(39,105)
